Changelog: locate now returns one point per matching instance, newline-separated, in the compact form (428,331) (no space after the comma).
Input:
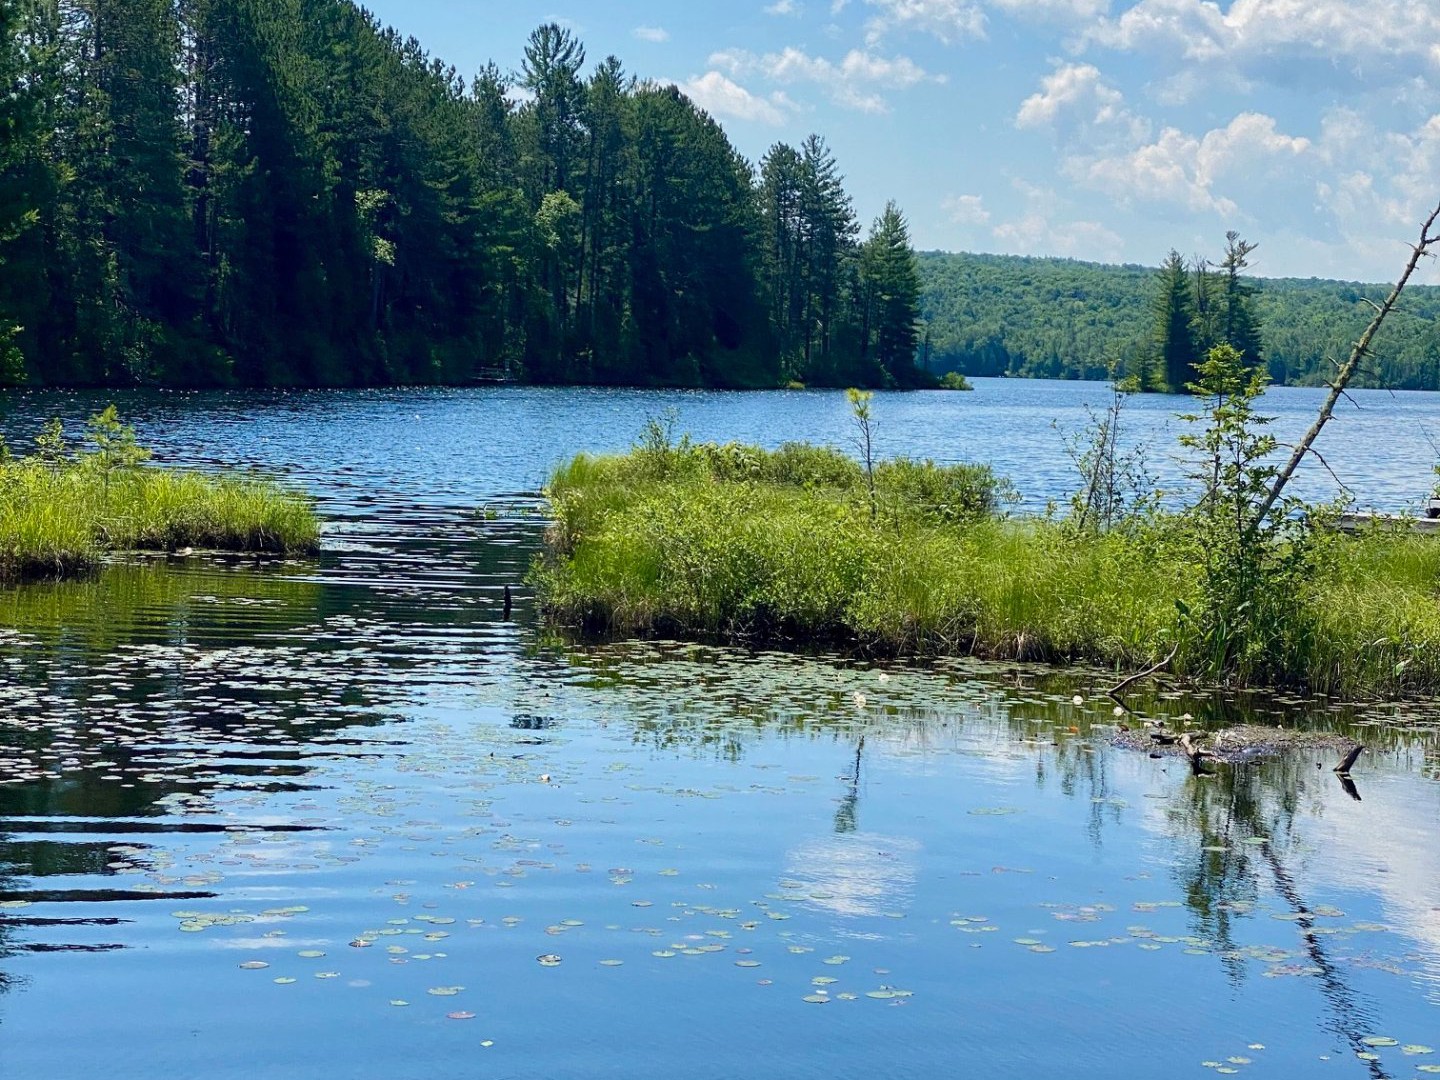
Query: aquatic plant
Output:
(63,506)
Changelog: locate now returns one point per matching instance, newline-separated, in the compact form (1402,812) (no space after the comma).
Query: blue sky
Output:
(1110,130)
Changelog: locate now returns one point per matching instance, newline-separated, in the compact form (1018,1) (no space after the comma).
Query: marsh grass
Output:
(60,511)
(737,544)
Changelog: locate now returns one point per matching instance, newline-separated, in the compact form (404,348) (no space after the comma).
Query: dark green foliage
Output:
(889,294)
(1239,323)
(17,139)
(842,313)
(1058,318)
(284,192)
(1176,335)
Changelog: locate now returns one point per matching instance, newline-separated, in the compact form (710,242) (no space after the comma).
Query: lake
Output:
(338,815)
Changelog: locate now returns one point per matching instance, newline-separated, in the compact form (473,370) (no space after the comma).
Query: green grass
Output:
(735,544)
(58,518)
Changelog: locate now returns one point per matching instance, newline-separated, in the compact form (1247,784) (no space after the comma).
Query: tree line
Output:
(1061,318)
(285,192)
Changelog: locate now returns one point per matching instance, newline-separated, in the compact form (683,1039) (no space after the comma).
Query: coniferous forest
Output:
(284,192)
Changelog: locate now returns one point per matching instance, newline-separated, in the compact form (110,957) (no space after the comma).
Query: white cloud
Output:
(653,34)
(947,20)
(856,81)
(1287,41)
(966,209)
(784,7)
(723,97)
(1076,103)
(1067,86)
(1391,179)
(1191,171)
(1046,10)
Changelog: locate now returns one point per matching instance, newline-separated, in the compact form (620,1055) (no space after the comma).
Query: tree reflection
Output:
(846,819)
(1234,828)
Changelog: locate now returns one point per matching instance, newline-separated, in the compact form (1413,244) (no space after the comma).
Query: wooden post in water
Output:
(508,604)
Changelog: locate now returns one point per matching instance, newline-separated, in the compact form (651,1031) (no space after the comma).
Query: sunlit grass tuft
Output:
(750,551)
(58,517)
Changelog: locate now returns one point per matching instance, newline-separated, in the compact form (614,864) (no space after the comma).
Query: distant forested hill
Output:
(1059,318)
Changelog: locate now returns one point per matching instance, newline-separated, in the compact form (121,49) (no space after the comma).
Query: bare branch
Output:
(1344,767)
(1114,691)
(1343,486)
(1347,371)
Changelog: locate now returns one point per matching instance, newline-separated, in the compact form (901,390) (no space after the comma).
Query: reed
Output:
(737,544)
(58,516)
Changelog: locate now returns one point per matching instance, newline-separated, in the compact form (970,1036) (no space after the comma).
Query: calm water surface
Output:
(338,816)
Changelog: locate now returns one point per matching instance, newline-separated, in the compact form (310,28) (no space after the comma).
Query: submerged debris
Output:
(1238,744)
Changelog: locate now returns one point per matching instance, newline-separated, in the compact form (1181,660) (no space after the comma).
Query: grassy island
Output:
(62,507)
(795,547)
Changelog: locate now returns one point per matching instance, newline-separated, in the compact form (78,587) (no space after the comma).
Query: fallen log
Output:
(1193,752)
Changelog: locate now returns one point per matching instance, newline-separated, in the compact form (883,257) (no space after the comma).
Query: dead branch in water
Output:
(1194,753)
(1115,691)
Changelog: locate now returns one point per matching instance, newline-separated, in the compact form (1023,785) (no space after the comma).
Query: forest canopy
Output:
(285,192)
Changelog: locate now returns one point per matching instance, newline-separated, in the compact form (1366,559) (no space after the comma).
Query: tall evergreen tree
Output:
(828,232)
(1175,344)
(890,297)
(17,137)
(281,192)
(782,244)
(1239,325)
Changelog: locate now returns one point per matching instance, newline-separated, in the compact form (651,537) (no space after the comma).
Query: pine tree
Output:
(17,137)
(781,245)
(890,291)
(1175,345)
(1239,325)
(827,238)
